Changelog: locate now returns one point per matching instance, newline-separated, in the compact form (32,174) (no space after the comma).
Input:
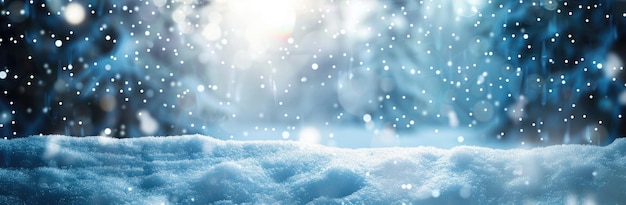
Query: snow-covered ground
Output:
(200,170)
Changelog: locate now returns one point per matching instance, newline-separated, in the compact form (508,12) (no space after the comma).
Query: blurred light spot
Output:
(367,118)
(614,65)
(314,66)
(465,191)
(406,186)
(58,43)
(453,119)
(200,88)
(3,75)
(105,140)
(107,131)
(52,148)
(385,138)
(147,124)
(60,86)
(74,13)
(285,135)
(267,17)
(549,4)
(212,32)
(159,3)
(435,193)
(622,98)
(309,135)
(108,103)
(467,8)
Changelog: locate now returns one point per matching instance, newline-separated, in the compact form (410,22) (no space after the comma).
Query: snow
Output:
(356,102)
(196,169)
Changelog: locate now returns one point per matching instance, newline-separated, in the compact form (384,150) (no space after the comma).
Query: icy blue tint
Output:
(391,73)
(278,90)
(203,170)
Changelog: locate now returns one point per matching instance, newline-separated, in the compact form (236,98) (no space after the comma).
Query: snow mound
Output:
(199,170)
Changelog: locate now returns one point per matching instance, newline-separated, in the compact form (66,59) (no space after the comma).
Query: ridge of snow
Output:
(196,169)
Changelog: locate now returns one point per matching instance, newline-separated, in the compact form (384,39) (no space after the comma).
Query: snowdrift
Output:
(200,170)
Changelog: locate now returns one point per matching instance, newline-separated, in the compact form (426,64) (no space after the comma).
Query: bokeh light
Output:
(392,72)
(74,13)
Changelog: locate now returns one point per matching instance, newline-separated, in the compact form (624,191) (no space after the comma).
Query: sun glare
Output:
(273,17)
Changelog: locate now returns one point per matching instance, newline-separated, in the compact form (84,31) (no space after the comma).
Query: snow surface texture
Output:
(199,170)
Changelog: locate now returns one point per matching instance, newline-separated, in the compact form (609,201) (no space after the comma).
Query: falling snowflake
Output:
(538,72)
